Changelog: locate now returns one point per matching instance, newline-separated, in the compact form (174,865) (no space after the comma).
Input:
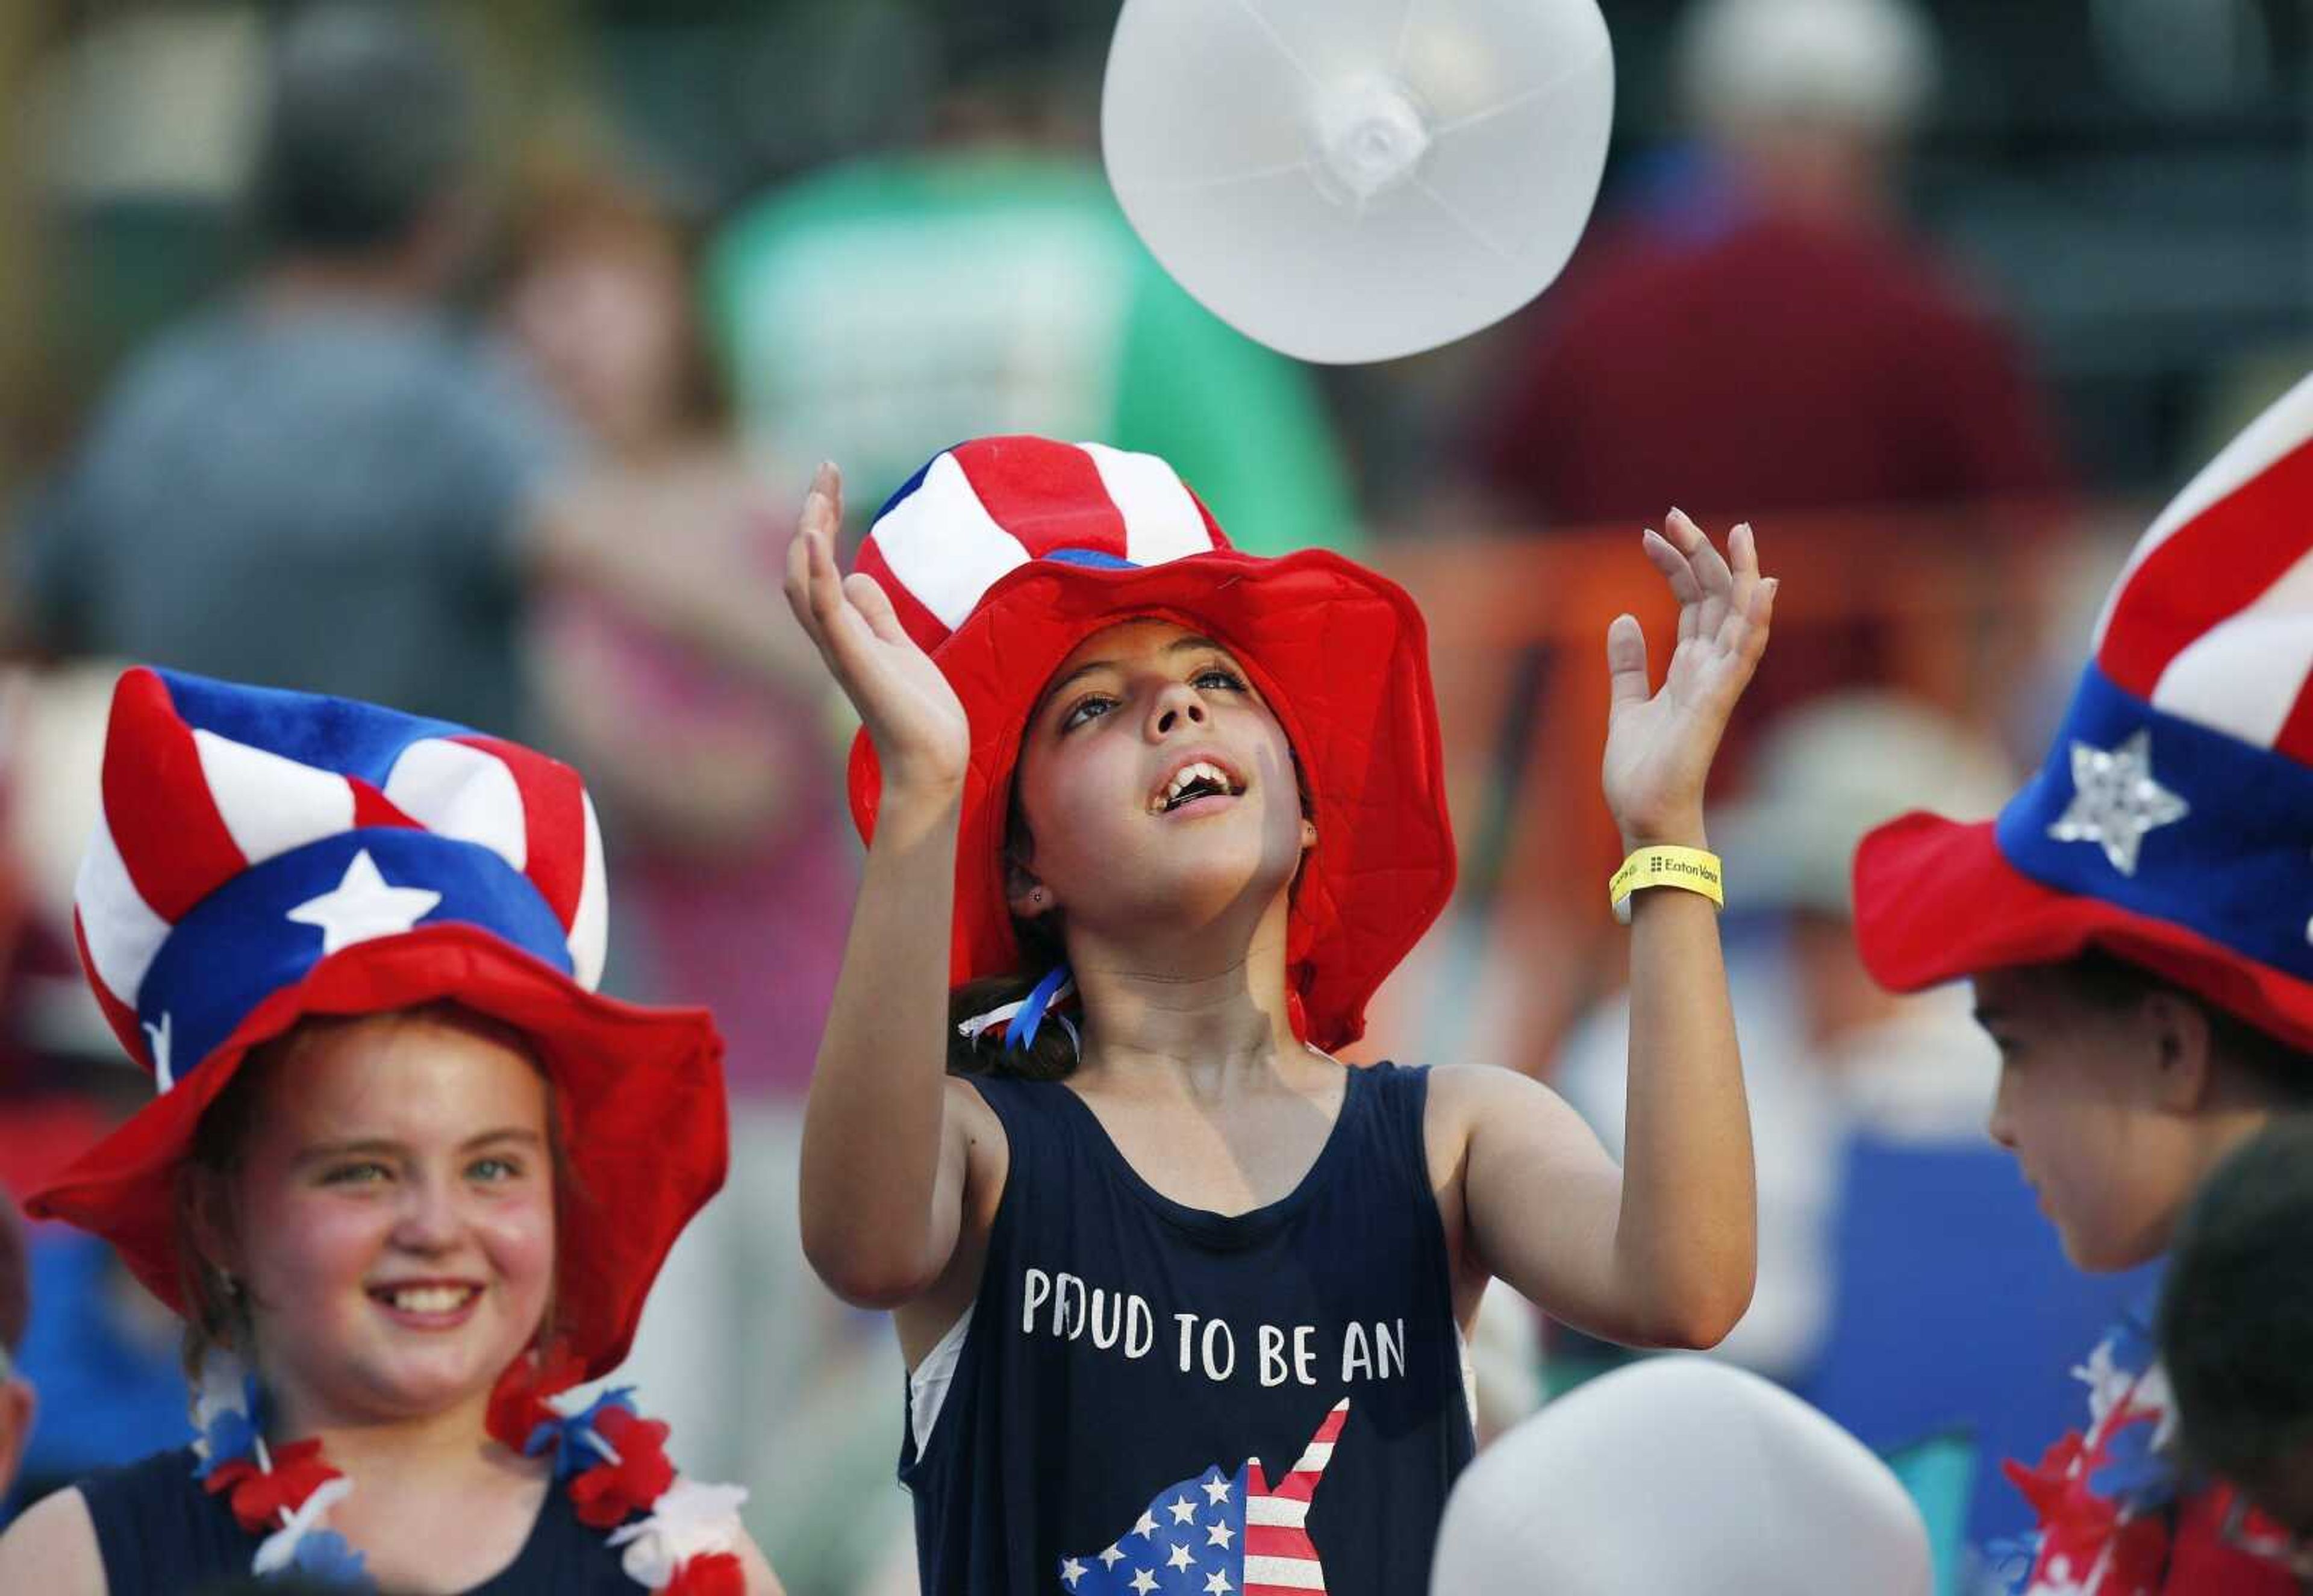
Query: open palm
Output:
(912,716)
(1659,743)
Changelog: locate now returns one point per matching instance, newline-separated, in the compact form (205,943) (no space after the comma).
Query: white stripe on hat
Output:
(589,937)
(457,790)
(123,932)
(943,545)
(271,803)
(1160,518)
(2265,440)
(2241,677)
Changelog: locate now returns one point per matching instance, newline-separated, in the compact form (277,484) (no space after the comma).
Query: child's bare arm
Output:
(1664,1251)
(1544,1210)
(883,1158)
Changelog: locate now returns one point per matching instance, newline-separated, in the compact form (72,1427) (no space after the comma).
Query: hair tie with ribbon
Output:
(1023,1018)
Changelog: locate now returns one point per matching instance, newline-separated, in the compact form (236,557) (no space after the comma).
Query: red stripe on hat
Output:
(374,808)
(157,801)
(2296,738)
(918,622)
(554,822)
(117,1012)
(1049,496)
(2216,565)
(1220,538)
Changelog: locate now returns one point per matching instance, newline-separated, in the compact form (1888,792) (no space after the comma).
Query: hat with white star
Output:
(2172,823)
(1003,554)
(263,855)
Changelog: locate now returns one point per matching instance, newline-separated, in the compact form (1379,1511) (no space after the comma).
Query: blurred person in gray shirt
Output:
(319,482)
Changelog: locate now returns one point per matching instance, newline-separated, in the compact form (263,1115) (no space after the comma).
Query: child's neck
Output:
(1207,1024)
(441,1445)
(438,1505)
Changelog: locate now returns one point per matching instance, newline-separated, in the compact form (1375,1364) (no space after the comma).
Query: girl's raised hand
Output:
(1659,743)
(912,716)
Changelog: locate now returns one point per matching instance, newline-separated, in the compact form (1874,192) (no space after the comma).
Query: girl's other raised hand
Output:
(912,716)
(1659,743)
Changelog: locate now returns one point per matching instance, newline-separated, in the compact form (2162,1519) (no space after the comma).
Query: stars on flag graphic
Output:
(1219,1534)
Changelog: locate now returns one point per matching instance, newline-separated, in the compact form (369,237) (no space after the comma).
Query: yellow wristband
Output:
(1690,868)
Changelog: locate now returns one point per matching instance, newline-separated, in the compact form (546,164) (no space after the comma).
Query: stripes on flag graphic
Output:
(1219,1534)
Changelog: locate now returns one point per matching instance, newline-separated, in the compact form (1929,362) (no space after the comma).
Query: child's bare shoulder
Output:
(969,1111)
(985,1149)
(1465,1098)
(1465,1090)
(52,1547)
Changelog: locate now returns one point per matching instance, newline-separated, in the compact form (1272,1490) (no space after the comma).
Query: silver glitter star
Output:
(2115,801)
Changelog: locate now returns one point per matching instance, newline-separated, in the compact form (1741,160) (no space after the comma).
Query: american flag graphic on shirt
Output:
(1219,1534)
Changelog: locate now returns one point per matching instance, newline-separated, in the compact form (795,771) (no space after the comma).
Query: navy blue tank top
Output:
(161,1534)
(1152,1397)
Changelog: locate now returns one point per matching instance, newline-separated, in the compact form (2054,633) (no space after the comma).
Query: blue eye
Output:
(1227,680)
(1089,708)
(494,1169)
(368,1172)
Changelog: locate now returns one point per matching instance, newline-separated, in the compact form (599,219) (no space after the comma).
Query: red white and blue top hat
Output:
(2172,825)
(264,855)
(1003,554)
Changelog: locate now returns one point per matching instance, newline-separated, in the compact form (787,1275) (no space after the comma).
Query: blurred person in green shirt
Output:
(877,310)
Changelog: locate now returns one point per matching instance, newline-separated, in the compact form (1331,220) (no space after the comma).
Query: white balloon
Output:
(1358,179)
(1678,1474)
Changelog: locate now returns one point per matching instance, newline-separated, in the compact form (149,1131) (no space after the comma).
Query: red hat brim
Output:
(639,1092)
(1936,899)
(1341,654)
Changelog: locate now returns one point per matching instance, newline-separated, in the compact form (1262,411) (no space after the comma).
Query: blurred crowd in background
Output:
(474,361)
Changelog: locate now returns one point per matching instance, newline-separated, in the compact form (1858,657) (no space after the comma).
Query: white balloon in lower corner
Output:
(1680,1475)
(1357,180)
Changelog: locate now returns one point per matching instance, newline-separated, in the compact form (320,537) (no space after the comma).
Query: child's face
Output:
(395,1217)
(2081,1105)
(1120,844)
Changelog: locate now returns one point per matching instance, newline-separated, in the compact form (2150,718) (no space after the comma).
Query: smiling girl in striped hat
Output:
(1149,820)
(407,1176)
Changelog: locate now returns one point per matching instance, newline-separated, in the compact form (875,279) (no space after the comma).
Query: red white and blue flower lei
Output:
(680,1538)
(2119,1514)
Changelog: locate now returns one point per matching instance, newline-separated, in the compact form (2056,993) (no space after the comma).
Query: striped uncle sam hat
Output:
(1003,554)
(264,855)
(2172,823)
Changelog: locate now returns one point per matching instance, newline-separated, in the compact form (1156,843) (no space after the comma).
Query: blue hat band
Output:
(2170,819)
(269,925)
